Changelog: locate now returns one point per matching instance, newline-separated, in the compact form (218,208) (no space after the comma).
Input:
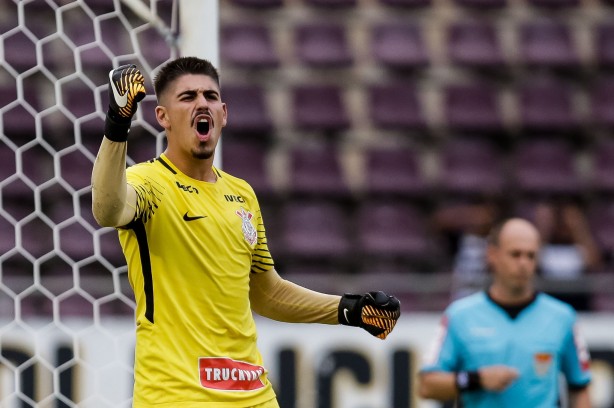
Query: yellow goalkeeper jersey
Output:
(190,251)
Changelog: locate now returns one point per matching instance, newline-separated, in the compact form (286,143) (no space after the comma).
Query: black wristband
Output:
(116,127)
(468,381)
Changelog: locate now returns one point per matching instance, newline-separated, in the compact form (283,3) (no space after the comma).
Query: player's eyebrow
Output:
(194,92)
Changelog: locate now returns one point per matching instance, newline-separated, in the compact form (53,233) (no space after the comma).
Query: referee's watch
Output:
(468,381)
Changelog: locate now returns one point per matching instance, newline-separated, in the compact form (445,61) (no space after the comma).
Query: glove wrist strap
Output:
(347,310)
(116,127)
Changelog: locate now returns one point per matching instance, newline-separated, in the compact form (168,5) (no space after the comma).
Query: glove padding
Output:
(376,312)
(126,89)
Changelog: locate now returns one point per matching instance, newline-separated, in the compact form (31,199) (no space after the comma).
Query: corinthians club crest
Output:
(249,232)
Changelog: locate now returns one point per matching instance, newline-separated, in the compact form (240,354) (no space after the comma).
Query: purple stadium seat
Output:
(475,44)
(603,167)
(406,3)
(546,167)
(18,123)
(548,44)
(393,229)
(154,48)
(332,3)
(248,109)
(473,107)
(259,4)
(601,94)
(554,4)
(323,44)
(314,229)
(471,168)
(76,169)
(482,4)
(395,171)
(248,45)
(547,105)
(19,51)
(247,160)
(319,107)
(317,171)
(396,105)
(603,35)
(399,45)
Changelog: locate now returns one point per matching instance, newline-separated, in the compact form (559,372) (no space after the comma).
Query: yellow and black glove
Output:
(376,312)
(126,89)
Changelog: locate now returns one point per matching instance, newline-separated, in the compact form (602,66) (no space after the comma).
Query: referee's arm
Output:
(579,398)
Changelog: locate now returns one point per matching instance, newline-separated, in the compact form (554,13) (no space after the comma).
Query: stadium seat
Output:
(314,230)
(18,122)
(601,95)
(546,105)
(473,107)
(548,43)
(471,168)
(248,45)
(475,44)
(395,171)
(554,4)
(396,106)
(482,4)
(76,241)
(602,168)
(317,171)
(259,4)
(323,44)
(75,169)
(248,109)
(319,107)
(603,35)
(19,51)
(332,3)
(399,45)
(247,160)
(406,3)
(545,167)
(154,48)
(392,230)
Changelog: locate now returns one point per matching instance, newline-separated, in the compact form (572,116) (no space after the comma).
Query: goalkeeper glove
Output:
(376,312)
(126,89)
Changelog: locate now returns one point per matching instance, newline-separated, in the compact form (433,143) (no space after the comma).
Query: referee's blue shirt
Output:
(540,342)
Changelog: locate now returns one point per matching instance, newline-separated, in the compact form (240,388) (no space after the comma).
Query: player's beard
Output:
(203,152)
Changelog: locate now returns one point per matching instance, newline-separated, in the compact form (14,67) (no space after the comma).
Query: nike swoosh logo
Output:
(121,100)
(186,217)
(345,314)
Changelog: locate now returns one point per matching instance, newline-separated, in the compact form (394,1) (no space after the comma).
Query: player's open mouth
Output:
(202,126)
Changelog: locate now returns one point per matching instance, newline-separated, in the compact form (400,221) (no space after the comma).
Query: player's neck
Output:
(198,169)
(505,296)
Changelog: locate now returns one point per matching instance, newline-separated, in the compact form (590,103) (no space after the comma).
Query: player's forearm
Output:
(110,196)
(438,385)
(580,398)
(281,300)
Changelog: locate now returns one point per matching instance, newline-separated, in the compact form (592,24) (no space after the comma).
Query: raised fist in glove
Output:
(126,89)
(376,312)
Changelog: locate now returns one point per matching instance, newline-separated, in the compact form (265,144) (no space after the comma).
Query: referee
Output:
(506,347)
(197,254)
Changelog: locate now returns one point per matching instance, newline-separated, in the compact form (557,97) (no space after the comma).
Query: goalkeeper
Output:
(198,262)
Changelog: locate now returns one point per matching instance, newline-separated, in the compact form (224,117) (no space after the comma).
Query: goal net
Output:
(63,280)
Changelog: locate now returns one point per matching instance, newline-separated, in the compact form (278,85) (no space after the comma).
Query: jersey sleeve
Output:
(443,353)
(575,362)
(262,260)
(148,196)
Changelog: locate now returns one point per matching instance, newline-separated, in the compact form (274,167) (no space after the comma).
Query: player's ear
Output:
(162,117)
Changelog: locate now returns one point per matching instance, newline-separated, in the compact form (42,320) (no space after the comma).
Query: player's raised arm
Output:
(113,200)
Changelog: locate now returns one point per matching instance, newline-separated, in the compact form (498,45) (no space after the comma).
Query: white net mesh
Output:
(61,275)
